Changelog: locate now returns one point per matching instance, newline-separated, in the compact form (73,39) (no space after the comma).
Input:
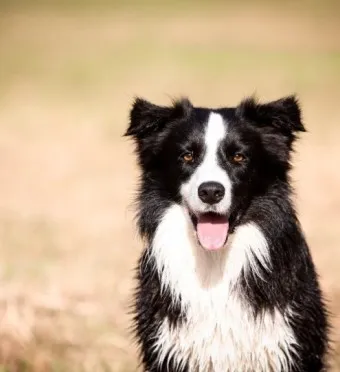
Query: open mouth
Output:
(212,230)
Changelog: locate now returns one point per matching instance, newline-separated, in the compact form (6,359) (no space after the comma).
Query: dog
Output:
(226,282)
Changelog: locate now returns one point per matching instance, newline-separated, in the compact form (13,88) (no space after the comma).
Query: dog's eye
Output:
(188,157)
(238,158)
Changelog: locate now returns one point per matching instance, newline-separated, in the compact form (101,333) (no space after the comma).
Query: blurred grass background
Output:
(68,73)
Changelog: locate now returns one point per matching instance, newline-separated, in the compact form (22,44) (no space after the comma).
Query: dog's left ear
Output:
(283,115)
(147,118)
(278,122)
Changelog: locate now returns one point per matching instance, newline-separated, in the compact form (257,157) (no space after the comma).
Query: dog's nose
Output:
(211,192)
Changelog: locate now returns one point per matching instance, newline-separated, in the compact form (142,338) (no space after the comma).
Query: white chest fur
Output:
(220,334)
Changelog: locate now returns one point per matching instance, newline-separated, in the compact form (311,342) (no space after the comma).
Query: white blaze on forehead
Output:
(209,169)
(215,132)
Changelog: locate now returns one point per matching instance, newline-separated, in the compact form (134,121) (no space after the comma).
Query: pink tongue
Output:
(212,231)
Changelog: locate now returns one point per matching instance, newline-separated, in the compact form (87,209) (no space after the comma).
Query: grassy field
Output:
(67,177)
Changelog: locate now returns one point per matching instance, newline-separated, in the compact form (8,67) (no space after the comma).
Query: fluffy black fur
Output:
(261,193)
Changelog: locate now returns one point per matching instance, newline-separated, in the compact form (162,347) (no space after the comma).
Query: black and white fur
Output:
(254,305)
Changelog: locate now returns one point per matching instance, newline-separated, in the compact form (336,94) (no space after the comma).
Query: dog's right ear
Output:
(147,118)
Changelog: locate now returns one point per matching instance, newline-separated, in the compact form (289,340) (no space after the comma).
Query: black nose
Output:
(211,192)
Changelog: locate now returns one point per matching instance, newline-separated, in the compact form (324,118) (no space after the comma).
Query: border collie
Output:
(226,281)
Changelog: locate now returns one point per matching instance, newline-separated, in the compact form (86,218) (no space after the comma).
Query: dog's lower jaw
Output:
(209,218)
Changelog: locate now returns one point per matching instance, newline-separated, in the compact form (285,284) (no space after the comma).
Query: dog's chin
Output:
(211,229)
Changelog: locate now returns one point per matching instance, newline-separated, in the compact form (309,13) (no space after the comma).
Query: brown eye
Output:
(188,157)
(238,158)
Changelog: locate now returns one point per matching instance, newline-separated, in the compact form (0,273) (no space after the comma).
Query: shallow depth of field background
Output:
(68,73)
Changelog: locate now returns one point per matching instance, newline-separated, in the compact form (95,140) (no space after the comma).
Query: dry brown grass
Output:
(67,244)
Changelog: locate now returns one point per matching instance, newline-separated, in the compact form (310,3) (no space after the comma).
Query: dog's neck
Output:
(188,270)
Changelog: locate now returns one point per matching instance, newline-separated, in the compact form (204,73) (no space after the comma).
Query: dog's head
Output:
(211,161)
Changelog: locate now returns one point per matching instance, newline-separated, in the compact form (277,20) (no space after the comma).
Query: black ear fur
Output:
(147,118)
(283,114)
